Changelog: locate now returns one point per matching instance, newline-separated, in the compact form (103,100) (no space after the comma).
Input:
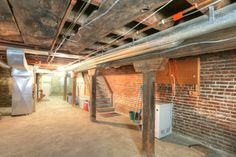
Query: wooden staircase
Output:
(103,96)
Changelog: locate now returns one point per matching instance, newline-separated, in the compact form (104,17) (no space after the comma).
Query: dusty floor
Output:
(59,130)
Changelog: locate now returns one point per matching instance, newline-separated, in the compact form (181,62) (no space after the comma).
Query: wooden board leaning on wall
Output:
(181,72)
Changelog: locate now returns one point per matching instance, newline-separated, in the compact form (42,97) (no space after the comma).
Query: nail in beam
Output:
(149,68)
(93,74)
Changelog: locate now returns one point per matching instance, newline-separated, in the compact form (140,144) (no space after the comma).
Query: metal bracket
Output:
(211,13)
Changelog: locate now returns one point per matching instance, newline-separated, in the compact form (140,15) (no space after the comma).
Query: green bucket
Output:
(132,115)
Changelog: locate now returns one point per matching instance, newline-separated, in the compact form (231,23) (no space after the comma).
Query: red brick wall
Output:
(125,84)
(211,116)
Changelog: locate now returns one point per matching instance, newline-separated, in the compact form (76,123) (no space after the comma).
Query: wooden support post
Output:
(93,74)
(149,113)
(74,78)
(65,87)
(149,68)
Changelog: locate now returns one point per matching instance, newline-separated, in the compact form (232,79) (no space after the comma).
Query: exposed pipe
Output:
(224,18)
(4,65)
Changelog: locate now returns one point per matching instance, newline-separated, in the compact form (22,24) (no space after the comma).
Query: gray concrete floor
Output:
(59,130)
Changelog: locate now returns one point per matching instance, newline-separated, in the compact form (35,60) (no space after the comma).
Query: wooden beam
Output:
(95,2)
(150,64)
(74,79)
(219,5)
(63,21)
(8,26)
(149,68)
(128,11)
(192,50)
(155,19)
(38,21)
(148,135)
(121,31)
(93,74)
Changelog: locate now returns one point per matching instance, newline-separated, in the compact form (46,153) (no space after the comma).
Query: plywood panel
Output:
(185,71)
(8,27)
(38,20)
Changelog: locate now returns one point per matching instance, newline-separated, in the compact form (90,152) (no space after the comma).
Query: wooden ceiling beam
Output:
(38,21)
(155,19)
(191,50)
(95,31)
(121,31)
(219,5)
(8,26)
(95,2)
(107,40)
(73,17)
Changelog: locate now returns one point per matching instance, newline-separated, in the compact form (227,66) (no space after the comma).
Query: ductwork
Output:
(224,18)
(22,82)
(16,59)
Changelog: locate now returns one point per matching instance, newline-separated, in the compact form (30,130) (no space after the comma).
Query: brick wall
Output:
(125,84)
(210,117)
(5,87)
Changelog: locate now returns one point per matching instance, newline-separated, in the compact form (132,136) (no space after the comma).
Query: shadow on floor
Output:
(121,125)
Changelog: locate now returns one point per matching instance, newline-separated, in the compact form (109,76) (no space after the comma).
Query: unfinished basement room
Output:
(117,78)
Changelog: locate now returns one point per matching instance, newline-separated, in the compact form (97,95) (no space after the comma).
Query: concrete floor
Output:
(59,130)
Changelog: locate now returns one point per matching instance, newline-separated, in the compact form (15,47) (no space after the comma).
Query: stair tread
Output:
(106,109)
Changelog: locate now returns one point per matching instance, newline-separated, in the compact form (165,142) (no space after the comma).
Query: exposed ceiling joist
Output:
(121,31)
(155,19)
(94,2)
(42,16)
(128,11)
(219,5)
(8,27)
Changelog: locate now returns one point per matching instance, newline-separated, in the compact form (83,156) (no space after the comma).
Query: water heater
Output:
(163,119)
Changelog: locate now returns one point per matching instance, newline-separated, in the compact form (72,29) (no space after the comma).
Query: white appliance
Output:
(163,120)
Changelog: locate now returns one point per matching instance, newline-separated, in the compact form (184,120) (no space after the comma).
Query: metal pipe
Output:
(4,65)
(224,18)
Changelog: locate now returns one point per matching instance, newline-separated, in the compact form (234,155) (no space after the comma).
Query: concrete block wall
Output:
(5,87)
(210,117)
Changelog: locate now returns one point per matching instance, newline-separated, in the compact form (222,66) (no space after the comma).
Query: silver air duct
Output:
(22,82)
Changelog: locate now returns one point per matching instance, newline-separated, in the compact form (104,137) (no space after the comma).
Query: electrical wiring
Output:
(69,29)
(161,21)
(95,19)
(192,44)
(102,16)
(124,34)
(205,7)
